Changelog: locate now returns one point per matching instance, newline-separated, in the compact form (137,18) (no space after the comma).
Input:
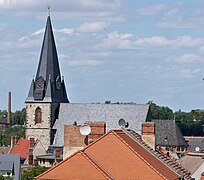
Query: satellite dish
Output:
(85,129)
(197,149)
(121,122)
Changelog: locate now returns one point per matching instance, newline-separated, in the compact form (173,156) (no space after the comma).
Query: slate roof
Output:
(15,159)
(6,166)
(134,114)
(3,121)
(116,155)
(49,70)
(194,142)
(168,134)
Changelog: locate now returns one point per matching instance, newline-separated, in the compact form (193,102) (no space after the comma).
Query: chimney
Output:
(57,152)
(14,140)
(9,109)
(32,142)
(148,134)
(98,129)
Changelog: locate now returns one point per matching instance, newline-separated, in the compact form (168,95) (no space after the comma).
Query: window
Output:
(38,115)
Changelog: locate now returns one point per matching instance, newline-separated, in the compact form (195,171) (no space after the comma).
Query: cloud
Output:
(85,63)
(151,10)
(177,19)
(188,73)
(93,26)
(189,58)
(129,41)
(109,10)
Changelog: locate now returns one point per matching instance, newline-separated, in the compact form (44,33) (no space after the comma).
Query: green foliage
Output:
(6,133)
(190,123)
(18,117)
(160,112)
(30,173)
(5,178)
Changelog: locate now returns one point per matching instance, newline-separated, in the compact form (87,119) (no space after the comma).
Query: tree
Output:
(32,172)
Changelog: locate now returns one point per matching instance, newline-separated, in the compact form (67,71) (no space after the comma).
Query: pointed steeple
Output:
(48,77)
(31,91)
(48,64)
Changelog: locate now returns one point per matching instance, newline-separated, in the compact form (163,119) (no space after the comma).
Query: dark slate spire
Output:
(48,64)
(31,91)
(48,86)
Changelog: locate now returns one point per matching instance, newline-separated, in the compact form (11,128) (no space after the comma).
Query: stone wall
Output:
(40,131)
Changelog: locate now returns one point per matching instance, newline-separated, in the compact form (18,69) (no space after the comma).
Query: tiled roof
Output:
(168,134)
(4,149)
(192,163)
(134,114)
(77,166)
(21,148)
(165,159)
(117,155)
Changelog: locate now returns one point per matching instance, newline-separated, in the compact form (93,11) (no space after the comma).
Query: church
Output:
(48,108)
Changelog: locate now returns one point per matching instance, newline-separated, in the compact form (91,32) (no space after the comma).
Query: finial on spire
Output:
(48,10)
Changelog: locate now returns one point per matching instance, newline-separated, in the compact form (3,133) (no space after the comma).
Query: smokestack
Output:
(9,109)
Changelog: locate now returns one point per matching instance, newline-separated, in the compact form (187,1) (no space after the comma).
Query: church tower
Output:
(47,91)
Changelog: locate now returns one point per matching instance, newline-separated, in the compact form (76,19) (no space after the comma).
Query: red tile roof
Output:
(77,166)
(4,150)
(115,155)
(21,148)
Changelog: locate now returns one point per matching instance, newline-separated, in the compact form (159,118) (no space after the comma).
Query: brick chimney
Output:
(9,109)
(74,140)
(14,140)
(98,129)
(73,137)
(148,134)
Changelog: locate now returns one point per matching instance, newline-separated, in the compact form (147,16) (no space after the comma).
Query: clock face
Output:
(40,83)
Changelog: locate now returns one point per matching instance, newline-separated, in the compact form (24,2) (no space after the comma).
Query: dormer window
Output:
(38,115)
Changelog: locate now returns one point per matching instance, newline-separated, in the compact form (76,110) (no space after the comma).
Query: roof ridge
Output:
(98,166)
(57,165)
(177,169)
(137,154)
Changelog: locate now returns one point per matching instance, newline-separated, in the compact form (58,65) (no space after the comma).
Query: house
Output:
(119,154)
(27,149)
(194,162)
(21,147)
(10,166)
(169,138)
(196,143)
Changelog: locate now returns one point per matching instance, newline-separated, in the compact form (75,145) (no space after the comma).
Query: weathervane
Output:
(48,10)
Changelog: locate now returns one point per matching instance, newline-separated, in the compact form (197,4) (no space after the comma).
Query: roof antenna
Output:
(48,10)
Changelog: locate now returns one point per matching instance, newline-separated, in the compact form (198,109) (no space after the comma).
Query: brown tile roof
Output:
(164,158)
(116,155)
(21,148)
(192,163)
(77,166)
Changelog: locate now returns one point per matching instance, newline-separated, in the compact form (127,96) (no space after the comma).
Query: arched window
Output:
(38,115)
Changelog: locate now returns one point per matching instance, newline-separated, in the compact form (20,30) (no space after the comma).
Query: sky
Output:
(117,50)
